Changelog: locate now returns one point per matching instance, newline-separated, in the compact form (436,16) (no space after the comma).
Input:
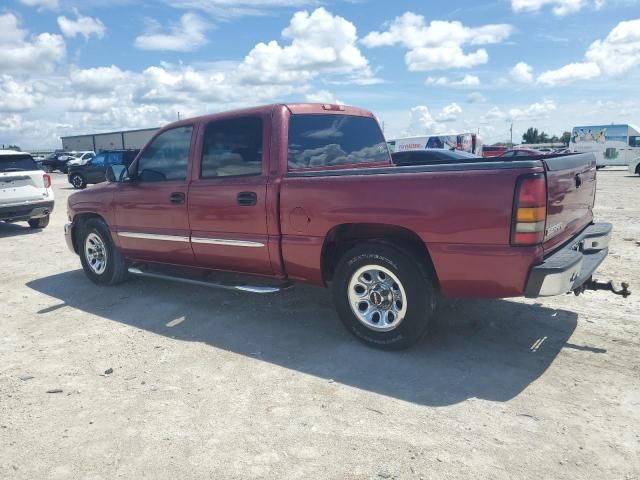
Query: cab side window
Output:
(634,141)
(232,148)
(167,156)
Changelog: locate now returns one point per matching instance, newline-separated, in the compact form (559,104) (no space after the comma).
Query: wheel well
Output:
(343,237)
(78,221)
(638,168)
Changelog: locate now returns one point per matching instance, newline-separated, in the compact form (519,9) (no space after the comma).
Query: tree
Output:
(530,136)
(565,138)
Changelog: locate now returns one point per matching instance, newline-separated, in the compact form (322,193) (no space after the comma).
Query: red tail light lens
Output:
(529,210)
(47,180)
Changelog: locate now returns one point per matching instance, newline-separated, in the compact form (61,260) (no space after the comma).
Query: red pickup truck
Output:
(308,193)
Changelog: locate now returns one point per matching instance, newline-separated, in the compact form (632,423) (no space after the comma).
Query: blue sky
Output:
(70,67)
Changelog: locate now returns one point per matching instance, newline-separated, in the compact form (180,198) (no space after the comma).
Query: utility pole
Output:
(178,115)
(511,135)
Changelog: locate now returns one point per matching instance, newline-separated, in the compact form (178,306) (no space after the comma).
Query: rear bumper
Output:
(25,211)
(569,267)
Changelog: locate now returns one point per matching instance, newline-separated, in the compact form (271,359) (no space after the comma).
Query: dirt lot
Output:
(208,384)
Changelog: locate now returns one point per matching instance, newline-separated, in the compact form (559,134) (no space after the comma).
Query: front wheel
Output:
(101,260)
(78,181)
(384,295)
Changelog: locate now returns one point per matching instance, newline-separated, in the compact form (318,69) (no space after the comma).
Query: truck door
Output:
(151,210)
(227,196)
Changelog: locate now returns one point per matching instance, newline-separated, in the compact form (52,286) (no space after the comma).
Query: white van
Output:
(612,144)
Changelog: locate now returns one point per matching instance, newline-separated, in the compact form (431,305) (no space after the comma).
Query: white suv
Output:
(81,158)
(25,190)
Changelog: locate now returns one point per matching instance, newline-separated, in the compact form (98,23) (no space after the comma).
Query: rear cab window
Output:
(17,163)
(326,141)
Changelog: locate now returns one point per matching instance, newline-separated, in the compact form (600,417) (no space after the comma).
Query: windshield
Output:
(334,140)
(17,163)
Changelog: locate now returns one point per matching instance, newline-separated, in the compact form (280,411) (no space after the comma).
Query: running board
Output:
(242,288)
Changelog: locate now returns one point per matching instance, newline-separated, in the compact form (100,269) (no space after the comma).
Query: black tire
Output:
(39,222)
(48,168)
(78,181)
(115,270)
(416,280)
(638,169)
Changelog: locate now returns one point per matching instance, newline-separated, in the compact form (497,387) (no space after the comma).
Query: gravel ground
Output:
(211,384)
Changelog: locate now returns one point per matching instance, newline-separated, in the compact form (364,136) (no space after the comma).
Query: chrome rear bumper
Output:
(571,266)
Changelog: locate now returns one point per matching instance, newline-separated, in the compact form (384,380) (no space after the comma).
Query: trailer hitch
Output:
(609,286)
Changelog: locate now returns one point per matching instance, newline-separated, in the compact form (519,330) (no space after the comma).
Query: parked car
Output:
(431,156)
(94,170)
(81,158)
(522,152)
(489,151)
(308,193)
(25,190)
(57,161)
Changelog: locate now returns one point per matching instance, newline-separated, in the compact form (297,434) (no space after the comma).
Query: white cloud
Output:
(616,55)
(619,52)
(188,35)
(235,8)
(320,43)
(560,7)
(449,113)
(48,4)
(466,81)
(522,73)
(322,96)
(17,96)
(569,73)
(82,25)
(534,111)
(99,79)
(421,122)
(438,45)
(19,53)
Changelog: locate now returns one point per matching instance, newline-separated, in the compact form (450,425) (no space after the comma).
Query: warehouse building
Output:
(108,141)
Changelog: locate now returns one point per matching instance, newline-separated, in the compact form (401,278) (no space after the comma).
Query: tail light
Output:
(47,180)
(529,210)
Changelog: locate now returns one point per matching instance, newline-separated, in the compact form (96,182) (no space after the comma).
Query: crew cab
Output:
(308,193)
(25,190)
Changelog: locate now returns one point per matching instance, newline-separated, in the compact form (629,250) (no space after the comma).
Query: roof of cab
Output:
(294,108)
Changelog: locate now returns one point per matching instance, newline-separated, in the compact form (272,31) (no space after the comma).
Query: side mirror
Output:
(117,173)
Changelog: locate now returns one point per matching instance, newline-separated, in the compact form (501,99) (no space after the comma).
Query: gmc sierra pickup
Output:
(309,193)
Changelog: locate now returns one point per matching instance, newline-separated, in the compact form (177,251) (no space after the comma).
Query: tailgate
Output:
(18,187)
(571,189)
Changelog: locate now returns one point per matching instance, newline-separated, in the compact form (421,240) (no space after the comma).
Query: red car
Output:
(490,151)
(522,152)
(308,193)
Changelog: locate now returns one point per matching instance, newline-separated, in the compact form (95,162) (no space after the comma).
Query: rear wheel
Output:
(383,295)
(101,260)
(39,222)
(78,181)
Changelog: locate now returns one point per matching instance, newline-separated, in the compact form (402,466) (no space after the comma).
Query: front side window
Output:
(334,140)
(99,160)
(167,156)
(634,141)
(232,148)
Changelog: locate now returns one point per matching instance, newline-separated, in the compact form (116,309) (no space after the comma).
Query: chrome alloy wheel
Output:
(95,253)
(76,180)
(377,298)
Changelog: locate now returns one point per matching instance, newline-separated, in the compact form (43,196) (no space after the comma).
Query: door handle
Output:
(247,199)
(177,197)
